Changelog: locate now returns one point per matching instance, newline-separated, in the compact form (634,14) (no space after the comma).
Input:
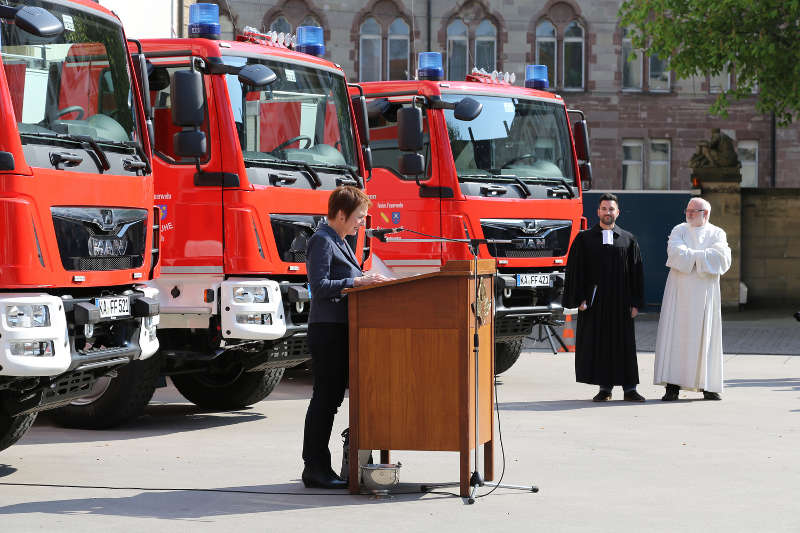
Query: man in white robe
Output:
(689,340)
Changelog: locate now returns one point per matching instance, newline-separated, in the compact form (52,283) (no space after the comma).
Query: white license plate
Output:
(114,307)
(533,280)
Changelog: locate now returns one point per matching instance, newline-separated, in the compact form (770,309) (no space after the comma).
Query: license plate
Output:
(114,307)
(533,280)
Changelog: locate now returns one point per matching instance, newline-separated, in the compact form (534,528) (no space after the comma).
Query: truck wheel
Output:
(12,428)
(113,401)
(219,392)
(506,354)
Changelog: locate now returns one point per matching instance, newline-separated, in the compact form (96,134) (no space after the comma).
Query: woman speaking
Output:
(331,267)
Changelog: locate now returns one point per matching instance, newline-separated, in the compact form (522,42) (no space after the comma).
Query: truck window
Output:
(160,78)
(512,136)
(303,116)
(383,134)
(56,83)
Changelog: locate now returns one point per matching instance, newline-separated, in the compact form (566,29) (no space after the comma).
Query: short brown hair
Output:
(346,199)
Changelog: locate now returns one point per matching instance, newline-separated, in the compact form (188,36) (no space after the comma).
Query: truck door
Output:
(188,192)
(397,200)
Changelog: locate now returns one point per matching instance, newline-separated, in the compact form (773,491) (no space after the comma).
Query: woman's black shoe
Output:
(321,480)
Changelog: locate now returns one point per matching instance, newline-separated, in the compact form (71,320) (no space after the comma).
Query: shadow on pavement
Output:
(570,405)
(790,384)
(158,420)
(188,504)
(6,470)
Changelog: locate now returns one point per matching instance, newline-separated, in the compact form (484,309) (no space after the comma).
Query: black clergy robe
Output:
(605,344)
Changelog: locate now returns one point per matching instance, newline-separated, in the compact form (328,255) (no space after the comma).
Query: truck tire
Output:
(12,428)
(506,354)
(113,401)
(211,392)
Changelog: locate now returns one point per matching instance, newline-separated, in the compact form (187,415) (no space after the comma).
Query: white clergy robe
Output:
(689,340)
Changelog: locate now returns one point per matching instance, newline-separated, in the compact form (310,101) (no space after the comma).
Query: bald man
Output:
(689,340)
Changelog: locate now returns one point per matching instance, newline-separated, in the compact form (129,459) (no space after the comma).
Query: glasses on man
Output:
(693,211)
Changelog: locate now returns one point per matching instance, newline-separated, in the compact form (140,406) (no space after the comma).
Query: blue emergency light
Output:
(310,40)
(430,66)
(204,21)
(536,77)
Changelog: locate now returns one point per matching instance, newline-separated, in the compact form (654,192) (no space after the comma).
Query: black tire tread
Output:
(247,389)
(126,398)
(506,354)
(12,428)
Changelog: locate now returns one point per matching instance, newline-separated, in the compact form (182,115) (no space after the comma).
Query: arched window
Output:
(456,50)
(486,46)
(369,51)
(573,53)
(398,51)
(546,51)
(310,21)
(280,24)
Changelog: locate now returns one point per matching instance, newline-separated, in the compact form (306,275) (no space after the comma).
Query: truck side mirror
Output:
(190,143)
(257,75)
(411,164)
(366,153)
(409,129)
(140,64)
(580,132)
(360,108)
(186,95)
(586,175)
(467,109)
(34,20)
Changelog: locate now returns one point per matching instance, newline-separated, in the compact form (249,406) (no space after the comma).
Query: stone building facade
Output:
(645,124)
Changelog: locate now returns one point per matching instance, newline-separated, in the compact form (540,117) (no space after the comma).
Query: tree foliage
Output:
(758,40)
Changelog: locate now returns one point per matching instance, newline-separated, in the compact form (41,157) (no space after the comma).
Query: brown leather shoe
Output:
(602,396)
(633,396)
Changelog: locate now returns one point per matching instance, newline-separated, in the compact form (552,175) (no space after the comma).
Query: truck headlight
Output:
(250,295)
(27,316)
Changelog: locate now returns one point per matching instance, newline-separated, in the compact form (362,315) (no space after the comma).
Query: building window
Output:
(369,51)
(486,46)
(573,53)
(281,25)
(546,49)
(632,164)
(631,68)
(398,51)
(658,74)
(719,83)
(748,157)
(456,50)
(310,21)
(658,165)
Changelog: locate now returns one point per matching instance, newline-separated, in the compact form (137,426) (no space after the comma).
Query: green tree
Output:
(759,39)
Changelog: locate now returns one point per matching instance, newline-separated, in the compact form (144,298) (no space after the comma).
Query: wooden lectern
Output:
(412,366)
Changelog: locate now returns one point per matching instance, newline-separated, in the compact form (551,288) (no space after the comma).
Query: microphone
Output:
(381,233)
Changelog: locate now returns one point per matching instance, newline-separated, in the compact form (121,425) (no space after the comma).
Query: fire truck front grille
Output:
(529,237)
(97,239)
(292,233)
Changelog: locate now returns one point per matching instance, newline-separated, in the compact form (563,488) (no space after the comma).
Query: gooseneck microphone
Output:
(381,233)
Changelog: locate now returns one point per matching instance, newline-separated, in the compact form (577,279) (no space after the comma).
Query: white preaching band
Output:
(689,341)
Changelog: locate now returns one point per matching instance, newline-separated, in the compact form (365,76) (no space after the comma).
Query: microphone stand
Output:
(475,480)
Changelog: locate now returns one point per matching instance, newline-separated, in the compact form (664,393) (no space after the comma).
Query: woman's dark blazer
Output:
(331,267)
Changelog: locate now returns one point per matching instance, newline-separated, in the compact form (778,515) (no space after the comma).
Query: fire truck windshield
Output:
(76,84)
(512,138)
(303,116)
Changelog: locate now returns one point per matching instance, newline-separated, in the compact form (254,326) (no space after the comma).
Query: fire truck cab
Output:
(480,159)
(76,210)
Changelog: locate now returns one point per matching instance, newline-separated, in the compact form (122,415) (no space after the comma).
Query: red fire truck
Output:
(76,209)
(251,136)
(484,159)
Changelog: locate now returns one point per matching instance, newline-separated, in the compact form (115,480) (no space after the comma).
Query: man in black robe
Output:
(605,281)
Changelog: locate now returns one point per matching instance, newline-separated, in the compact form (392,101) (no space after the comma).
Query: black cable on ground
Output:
(500,436)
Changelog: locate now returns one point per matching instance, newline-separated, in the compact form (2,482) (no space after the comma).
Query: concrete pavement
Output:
(693,465)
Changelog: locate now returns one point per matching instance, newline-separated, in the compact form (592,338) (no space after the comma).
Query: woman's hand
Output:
(369,279)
